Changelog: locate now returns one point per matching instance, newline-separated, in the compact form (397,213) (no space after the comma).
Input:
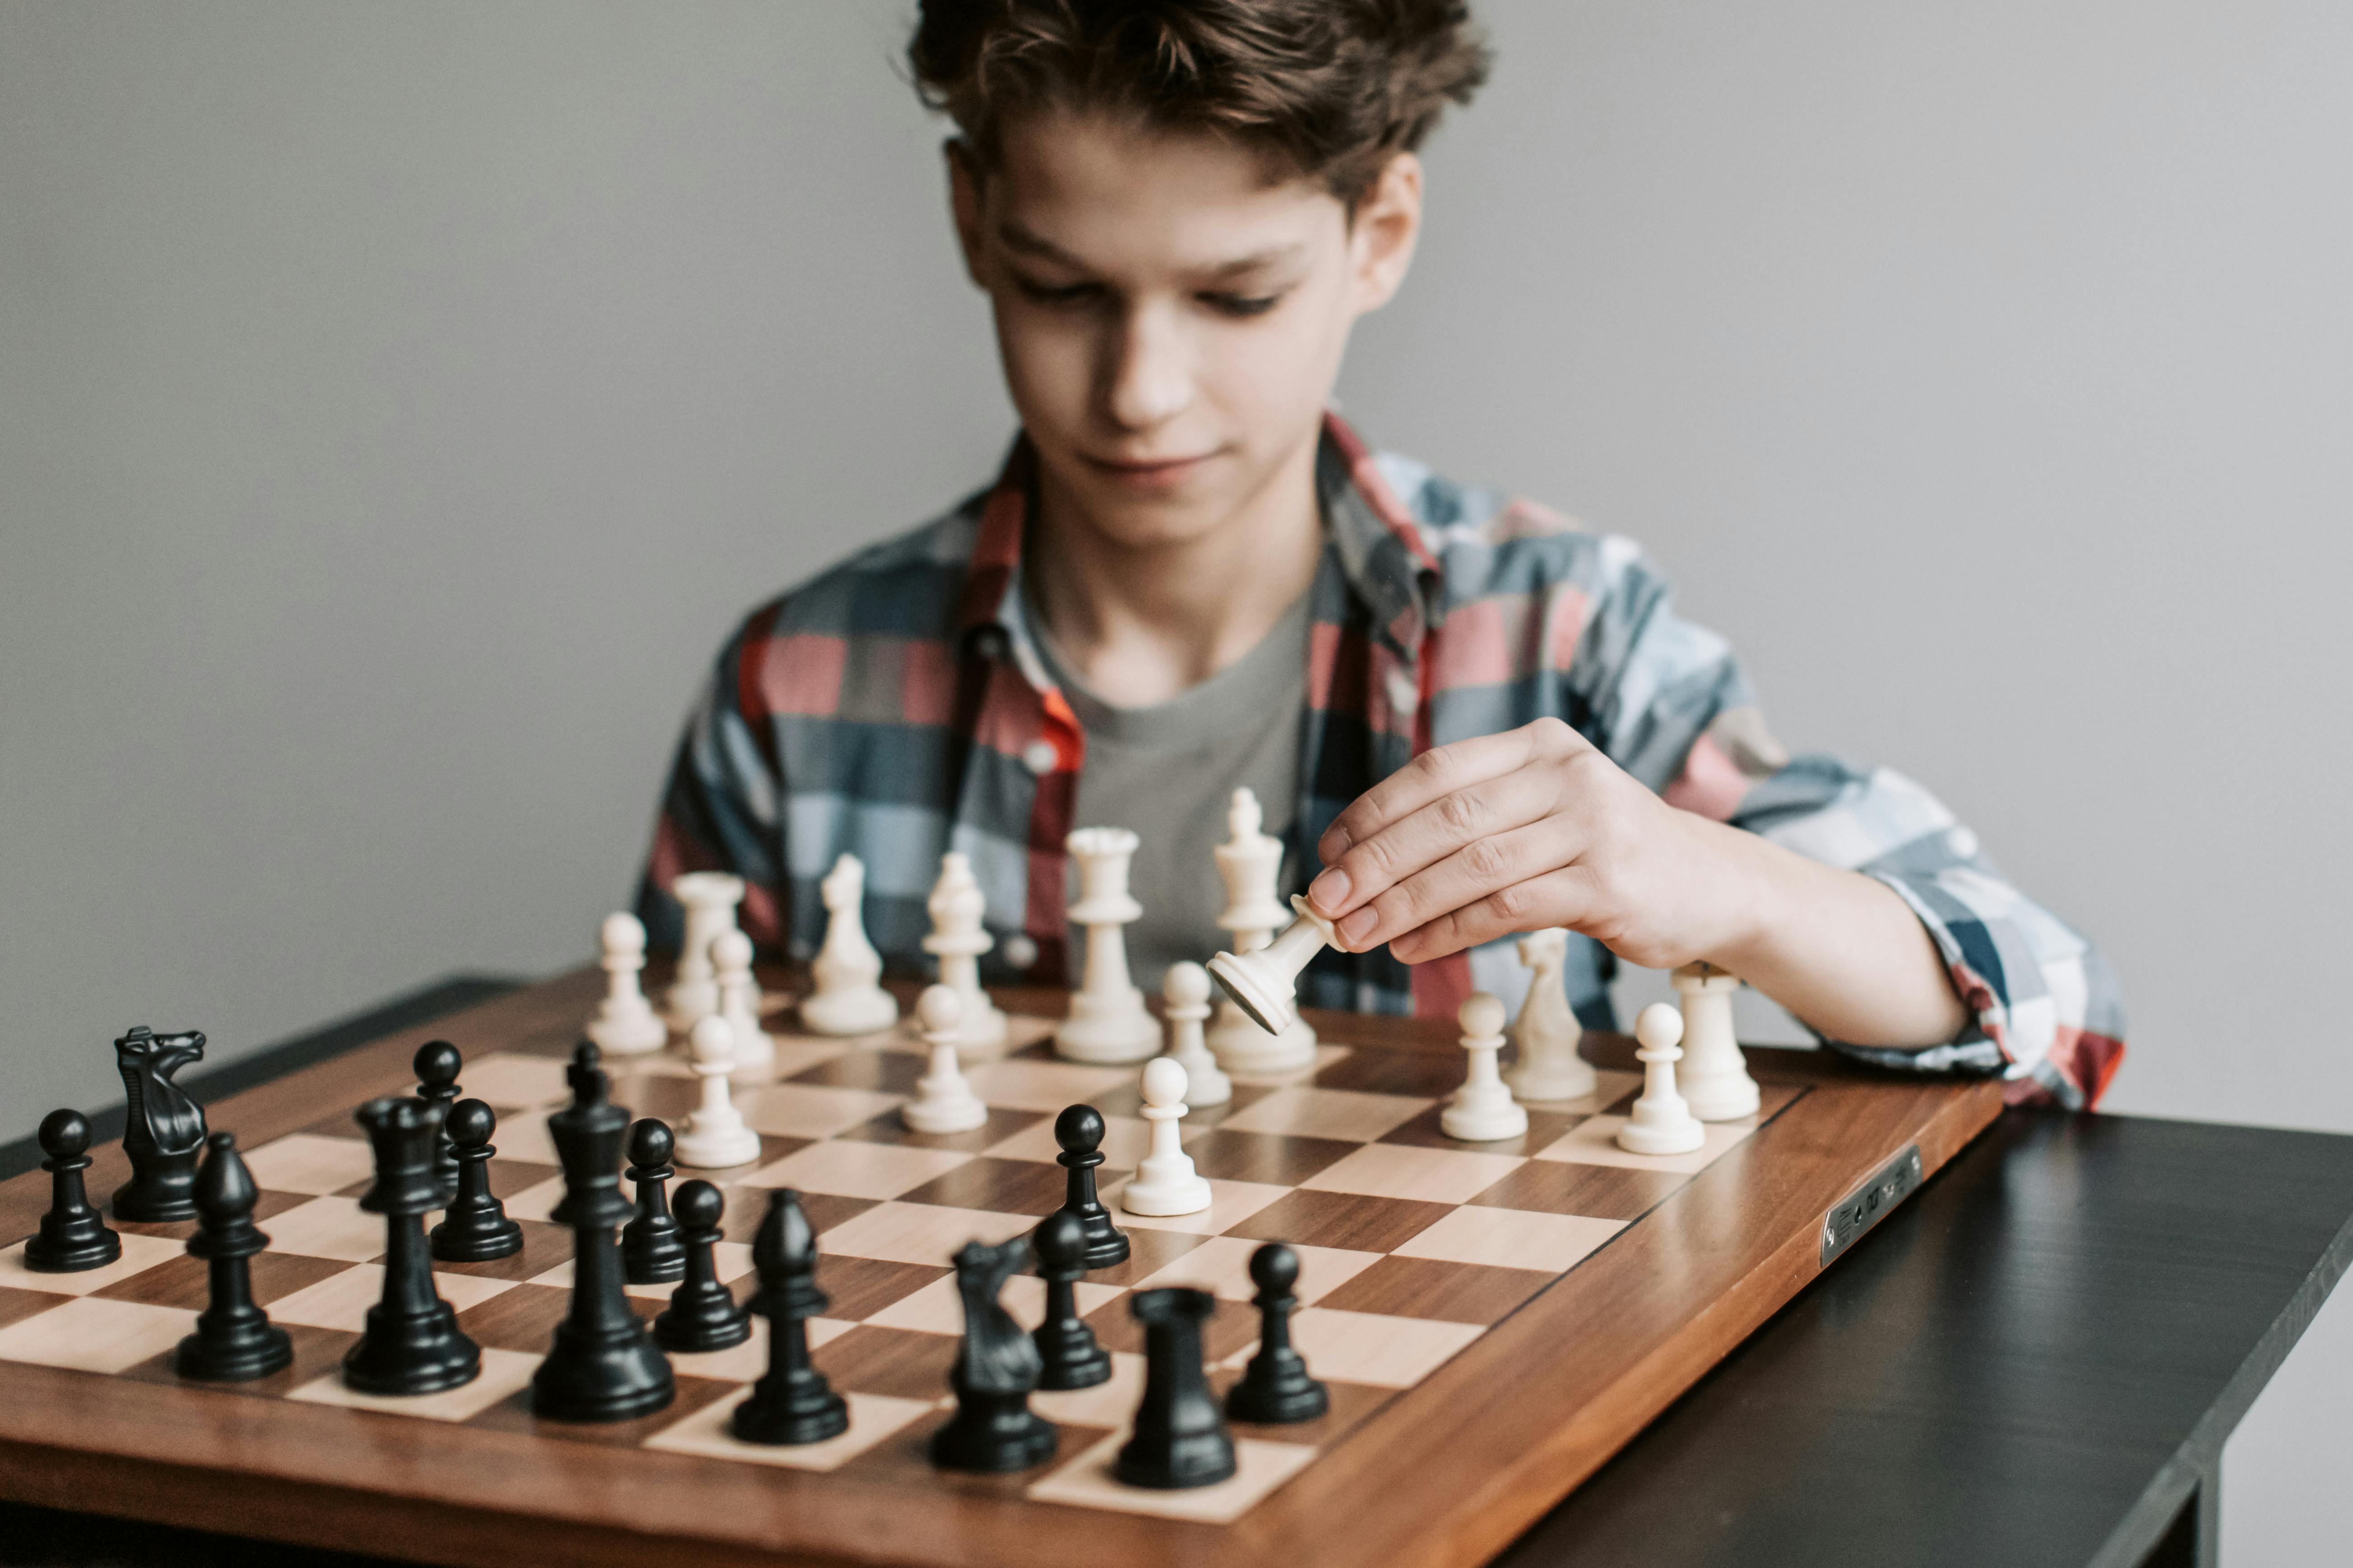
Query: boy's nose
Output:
(1151,374)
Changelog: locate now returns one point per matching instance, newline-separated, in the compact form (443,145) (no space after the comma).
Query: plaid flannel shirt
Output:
(895,707)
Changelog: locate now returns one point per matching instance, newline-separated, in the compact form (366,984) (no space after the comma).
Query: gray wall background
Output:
(398,403)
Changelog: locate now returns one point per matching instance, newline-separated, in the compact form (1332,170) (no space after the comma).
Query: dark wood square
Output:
(1352,1403)
(902,1460)
(879,1073)
(1423,1075)
(648,1094)
(185,1281)
(1148,1252)
(1546,1128)
(512,1414)
(1351,1220)
(747,1206)
(18,1305)
(1001,1186)
(1128,1100)
(1429,1288)
(1283,1159)
(857,1287)
(522,1317)
(509,1177)
(900,1361)
(1599,1191)
(888,1128)
(317,1352)
(1232,1326)
(543,1247)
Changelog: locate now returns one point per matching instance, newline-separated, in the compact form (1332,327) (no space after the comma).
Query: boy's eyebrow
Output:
(1028,242)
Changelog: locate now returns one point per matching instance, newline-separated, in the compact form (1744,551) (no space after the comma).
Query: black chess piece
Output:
(234,1340)
(437,1064)
(603,1364)
(1275,1389)
(994,1429)
(411,1343)
(1079,1131)
(586,1057)
(703,1314)
(166,1133)
(74,1235)
(793,1404)
(651,1252)
(476,1228)
(1068,1347)
(1180,1435)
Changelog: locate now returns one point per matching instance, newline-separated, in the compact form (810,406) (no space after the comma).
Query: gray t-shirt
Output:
(1167,773)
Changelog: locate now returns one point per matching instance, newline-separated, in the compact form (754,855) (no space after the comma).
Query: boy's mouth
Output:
(1154,474)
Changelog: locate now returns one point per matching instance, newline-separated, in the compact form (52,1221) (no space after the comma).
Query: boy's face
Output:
(1171,321)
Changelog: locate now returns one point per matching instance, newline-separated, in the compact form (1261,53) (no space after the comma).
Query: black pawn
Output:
(74,1235)
(412,1343)
(794,1403)
(1275,1390)
(234,1340)
(476,1228)
(1180,1436)
(703,1314)
(994,1430)
(1073,1357)
(1079,1131)
(436,1063)
(651,1252)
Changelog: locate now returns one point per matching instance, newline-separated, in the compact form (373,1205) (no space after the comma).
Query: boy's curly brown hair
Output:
(1332,88)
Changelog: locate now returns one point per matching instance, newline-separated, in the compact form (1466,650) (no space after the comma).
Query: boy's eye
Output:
(1057,294)
(1242,304)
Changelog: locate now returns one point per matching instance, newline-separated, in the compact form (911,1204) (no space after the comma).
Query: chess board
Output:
(1493,1320)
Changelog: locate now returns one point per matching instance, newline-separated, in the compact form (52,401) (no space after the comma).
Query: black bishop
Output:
(234,1340)
(793,1404)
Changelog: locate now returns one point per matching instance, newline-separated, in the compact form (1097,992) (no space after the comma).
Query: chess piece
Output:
(1275,1389)
(234,1340)
(73,1235)
(1108,1022)
(1067,1348)
(709,898)
(1079,1130)
(476,1228)
(411,1343)
(166,1130)
(1265,981)
(1250,862)
(793,1404)
(625,1024)
(957,907)
(1165,1183)
(994,1430)
(1661,1123)
(943,1101)
(602,1365)
(739,1002)
(703,1314)
(1546,1032)
(1482,1110)
(1186,993)
(1714,1079)
(652,1250)
(716,1135)
(437,1064)
(1180,1437)
(847,1001)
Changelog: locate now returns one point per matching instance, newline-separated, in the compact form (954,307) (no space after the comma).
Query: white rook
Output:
(1714,1075)
(709,898)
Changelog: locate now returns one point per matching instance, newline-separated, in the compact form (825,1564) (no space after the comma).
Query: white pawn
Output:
(1482,1110)
(739,1001)
(1108,1021)
(625,1024)
(714,1136)
(1165,1182)
(943,1101)
(1250,862)
(1662,1123)
(1714,1075)
(1266,981)
(1187,991)
(956,905)
(847,1000)
(1546,1031)
(710,899)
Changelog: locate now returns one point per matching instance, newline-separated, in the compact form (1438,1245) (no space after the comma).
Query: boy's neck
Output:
(1138,624)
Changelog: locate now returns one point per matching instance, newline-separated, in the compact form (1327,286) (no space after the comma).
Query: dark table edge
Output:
(436,999)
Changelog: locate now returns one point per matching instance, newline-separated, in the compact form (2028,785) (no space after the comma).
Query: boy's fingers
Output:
(1438,771)
(1447,825)
(1485,865)
(1566,896)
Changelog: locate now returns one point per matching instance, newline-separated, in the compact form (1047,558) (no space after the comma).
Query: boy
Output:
(1465,717)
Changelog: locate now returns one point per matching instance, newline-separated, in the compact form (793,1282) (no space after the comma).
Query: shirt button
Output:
(1039,757)
(1020,951)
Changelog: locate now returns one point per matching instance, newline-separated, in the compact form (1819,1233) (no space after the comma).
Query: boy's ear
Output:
(965,177)
(1388,224)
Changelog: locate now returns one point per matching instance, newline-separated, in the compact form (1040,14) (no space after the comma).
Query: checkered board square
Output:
(1412,1247)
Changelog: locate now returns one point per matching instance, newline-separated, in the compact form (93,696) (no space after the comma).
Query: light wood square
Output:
(331,1226)
(523,1136)
(1230,1203)
(1610,1087)
(748,1362)
(1345,1114)
(90,1333)
(873,1417)
(855,1169)
(1370,1347)
(508,1080)
(1594,1142)
(1405,1171)
(306,1162)
(535,1202)
(140,1253)
(1109,1404)
(1325,1055)
(1087,1481)
(342,1300)
(919,1233)
(1026,1085)
(1509,1238)
(937,1309)
(1126,1140)
(811,1109)
(504,1375)
(1221,1266)
(731,1260)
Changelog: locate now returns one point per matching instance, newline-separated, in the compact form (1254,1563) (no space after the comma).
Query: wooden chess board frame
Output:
(1445,1474)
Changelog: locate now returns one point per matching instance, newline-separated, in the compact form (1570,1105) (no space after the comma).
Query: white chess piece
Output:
(714,1136)
(943,1101)
(1714,1075)
(847,1000)
(1165,1182)
(1108,1021)
(1546,1031)
(739,1001)
(1251,861)
(1265,981)
(1482,1110)
(625,1024)
(956,905)
(1187,991)
(1662,1123)
(710,899)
